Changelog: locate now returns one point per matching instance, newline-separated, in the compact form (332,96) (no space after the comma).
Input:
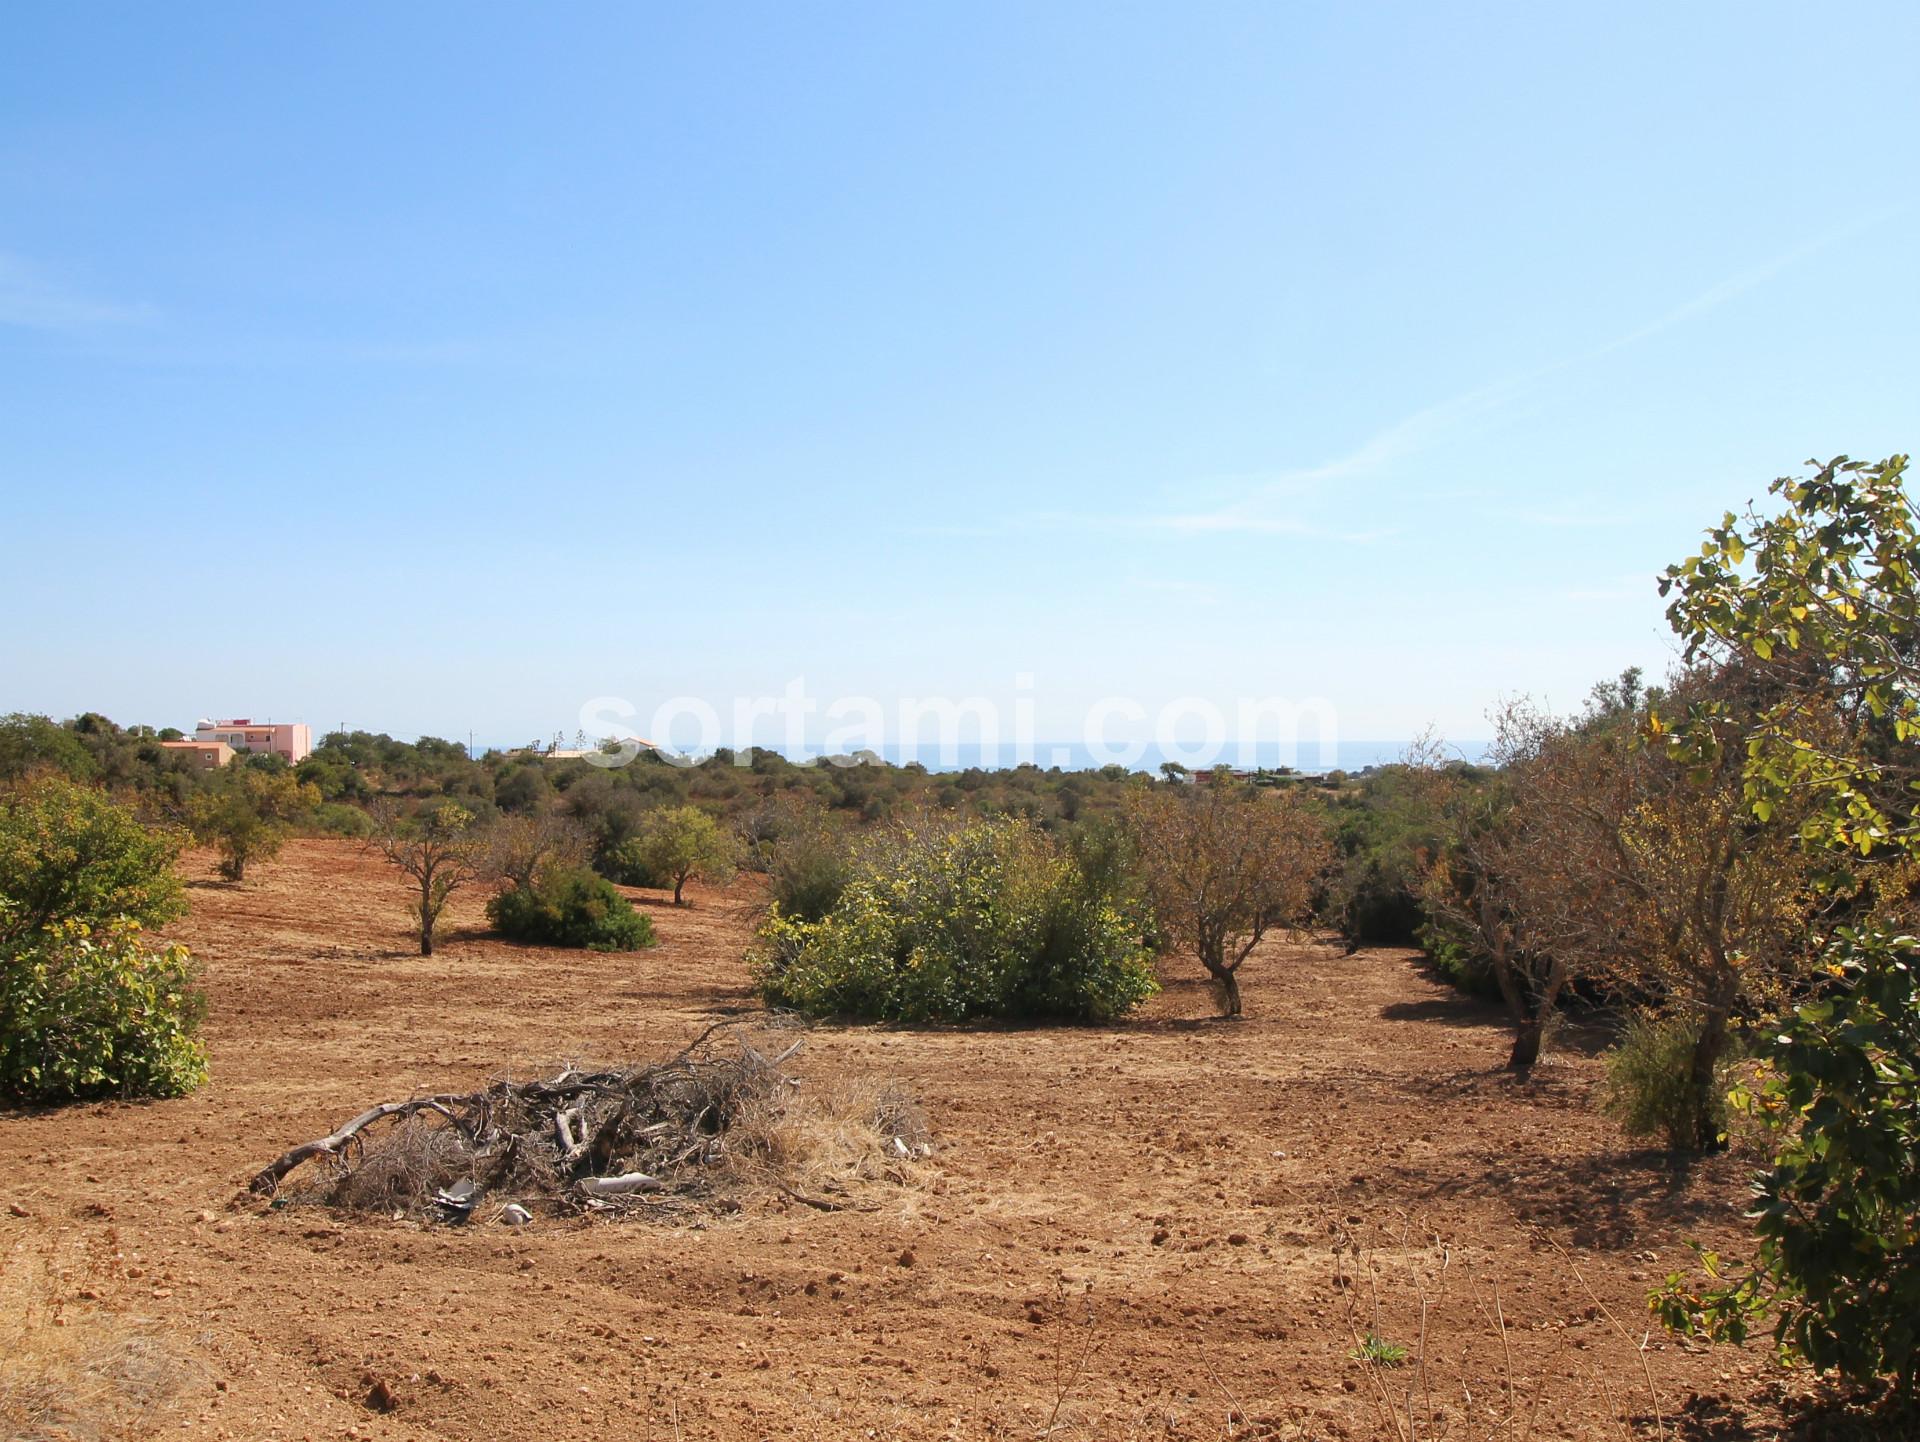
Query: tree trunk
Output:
(1702,1079)
(1229,985)
(679,885)
(426,930)
(1526,1044)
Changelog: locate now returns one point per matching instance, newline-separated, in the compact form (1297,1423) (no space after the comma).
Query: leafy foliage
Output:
(988,919)
(570,906)
(679,844)
(1826,594)
(1838,1214)
(1825,599)
(68,853)
(247,816)
(89,1011)
(1648,1088)
(806,853)
(31,745)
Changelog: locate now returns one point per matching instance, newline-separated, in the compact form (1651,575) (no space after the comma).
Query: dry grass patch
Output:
(76,1373)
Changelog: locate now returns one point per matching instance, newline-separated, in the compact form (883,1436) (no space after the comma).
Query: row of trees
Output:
(1737,855)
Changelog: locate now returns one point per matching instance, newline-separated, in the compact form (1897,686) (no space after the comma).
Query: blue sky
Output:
(437,367)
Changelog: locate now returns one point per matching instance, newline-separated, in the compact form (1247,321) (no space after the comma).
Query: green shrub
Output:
(992,919)
(70,854)
(1649,1088)
(628,864)
(335,819)
(808,862)
(90,1012)
(1838,1216)
(571,906)
(1459,965)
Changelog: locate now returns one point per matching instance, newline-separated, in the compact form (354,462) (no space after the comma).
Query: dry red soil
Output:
(1144,1230)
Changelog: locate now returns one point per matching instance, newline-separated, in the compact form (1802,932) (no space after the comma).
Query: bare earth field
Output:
(1147,1230)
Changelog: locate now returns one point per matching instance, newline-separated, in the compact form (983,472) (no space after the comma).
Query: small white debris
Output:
(620,1186)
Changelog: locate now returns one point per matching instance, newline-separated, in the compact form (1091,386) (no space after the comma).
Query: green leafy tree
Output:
(680,844)
(85,1008)
(246,816)
(68,853)
(1824,597)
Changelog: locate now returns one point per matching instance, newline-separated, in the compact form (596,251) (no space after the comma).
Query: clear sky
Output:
(441,366)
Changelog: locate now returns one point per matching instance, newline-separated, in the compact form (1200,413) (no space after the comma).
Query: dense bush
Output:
(89,1012)
(990,919)
(1838,1262)
(335,819)
(1649,1088)
(69,853)
(808,860)
(570,906)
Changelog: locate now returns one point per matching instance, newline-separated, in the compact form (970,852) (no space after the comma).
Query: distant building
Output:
(290,740)
(211,755)
(566,753)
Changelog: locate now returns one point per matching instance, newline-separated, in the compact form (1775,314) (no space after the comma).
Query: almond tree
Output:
(520,849)
(1475,892)
(1643,865)
(1223,864)
(438,849)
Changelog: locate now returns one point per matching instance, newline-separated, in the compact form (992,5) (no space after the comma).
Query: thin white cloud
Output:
(31,299)
(1270,506)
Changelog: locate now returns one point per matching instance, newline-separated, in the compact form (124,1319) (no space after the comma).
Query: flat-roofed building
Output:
(292,740)
(211,755)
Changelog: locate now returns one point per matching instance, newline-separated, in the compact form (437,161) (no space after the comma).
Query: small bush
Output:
(992,919)
(571,906)
(90,1012)
(629,865)
(245,815)
(1458,964)
(808,864)
(335,819)
(1648,1088)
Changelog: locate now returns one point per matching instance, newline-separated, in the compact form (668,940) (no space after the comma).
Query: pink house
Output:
(292,740)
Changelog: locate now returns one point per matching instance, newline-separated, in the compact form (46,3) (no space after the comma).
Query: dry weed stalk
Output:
(72,1374)
(1411,1411)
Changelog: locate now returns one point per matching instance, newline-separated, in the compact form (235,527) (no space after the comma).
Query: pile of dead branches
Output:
(681,1133)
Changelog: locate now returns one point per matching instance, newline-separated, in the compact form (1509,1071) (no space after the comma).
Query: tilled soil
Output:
(1173,1227)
